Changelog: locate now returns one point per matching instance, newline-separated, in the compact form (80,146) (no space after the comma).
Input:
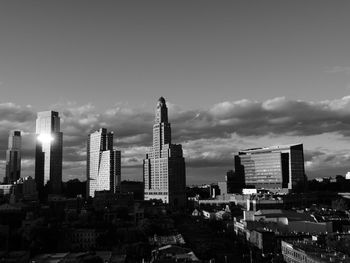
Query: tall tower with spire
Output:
(164,171)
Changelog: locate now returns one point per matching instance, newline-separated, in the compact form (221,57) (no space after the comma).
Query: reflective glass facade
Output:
(48,155)
(274,167)
(13,158)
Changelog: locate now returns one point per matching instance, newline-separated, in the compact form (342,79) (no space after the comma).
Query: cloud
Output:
(328,163)
(338,69)
(209,136)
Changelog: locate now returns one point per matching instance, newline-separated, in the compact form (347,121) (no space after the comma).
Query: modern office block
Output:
(103,163)
(13,158)
(276,167)
(48,154)
(164,171)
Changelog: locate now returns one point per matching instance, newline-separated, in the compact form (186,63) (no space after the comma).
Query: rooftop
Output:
(269,148)
(319,253)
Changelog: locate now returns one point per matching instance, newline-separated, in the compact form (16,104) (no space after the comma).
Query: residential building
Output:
(164,170)
(103,163)
(83,239)
(13,158)
(274,168)
(307,251)
(48,154)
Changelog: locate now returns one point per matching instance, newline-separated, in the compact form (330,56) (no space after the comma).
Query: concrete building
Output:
(48,154)
(274,168)
(234,183)
(164,170)
(103,163)
(13,158)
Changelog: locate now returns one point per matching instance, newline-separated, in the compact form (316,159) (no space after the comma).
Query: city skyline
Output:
(205,147)
(236,75)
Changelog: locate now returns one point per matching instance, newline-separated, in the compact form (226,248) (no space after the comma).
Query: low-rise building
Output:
(83,239)
(307,251)
(172,253)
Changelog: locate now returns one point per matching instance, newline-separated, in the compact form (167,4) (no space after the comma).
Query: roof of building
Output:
(269,148)
(9,207)
(291,215)
(177,252)
(320,254)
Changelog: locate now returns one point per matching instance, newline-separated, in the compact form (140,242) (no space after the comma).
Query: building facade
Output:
(103,163)
(164,171)
(276,167)
(309,252)
(48,153)
(13,158)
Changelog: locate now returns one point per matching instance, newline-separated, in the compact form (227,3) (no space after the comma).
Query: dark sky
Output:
(92,59)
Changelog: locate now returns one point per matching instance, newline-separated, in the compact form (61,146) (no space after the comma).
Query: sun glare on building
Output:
(45,138)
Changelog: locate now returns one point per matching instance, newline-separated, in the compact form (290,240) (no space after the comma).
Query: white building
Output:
(103,163)
(347,176)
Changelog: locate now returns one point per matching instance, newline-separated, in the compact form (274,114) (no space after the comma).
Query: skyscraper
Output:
(13,158)
(164,171)
(48,154)
(276,167)
(103,163)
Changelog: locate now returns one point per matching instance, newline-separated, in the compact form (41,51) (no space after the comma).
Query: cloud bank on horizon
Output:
(210,136)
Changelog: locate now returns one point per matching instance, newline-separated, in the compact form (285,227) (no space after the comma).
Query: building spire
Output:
(161,111)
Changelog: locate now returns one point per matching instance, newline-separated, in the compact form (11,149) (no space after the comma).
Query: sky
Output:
(235,74)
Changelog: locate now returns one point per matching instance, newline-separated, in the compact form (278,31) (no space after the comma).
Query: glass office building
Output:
(276,167)
(13,158)
(48,153)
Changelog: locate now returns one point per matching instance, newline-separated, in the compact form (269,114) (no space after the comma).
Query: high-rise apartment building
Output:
(164,171)
(48,154)
(103,163)
(13,158)
(276,167)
